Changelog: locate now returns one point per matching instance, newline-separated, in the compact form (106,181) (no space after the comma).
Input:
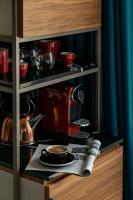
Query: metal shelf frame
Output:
(6,89)
(6,38)
(9,39)
(16,102)
(50,81)
(45,81)
(98,79)
(16,89)
(28,39)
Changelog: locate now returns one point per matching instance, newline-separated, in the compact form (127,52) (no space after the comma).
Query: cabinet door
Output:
(28,189)
(105,182)
(31,190)
(6,17)
(45,17)
(6,185)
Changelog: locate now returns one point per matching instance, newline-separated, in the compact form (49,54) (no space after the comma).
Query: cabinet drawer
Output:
(105,182)
(46,17)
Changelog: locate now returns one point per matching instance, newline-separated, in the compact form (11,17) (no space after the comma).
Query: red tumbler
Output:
(23,69)
(4,68)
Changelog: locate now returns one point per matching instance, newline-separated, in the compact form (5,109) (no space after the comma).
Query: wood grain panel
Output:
(45,17)
(105,182)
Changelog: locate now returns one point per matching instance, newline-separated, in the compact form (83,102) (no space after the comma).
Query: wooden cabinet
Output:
(36,18)
(54,16)
(105,182)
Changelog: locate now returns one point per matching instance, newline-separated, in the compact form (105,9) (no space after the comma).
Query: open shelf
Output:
(37,80)
(57,76)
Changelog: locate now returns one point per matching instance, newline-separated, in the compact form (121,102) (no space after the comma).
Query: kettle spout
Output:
(35,120)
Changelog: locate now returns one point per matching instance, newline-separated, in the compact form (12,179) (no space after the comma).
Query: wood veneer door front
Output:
(105,182)
(45,17)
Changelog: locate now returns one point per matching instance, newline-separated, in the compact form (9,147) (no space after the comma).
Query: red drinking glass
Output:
(23,69)
(4,68)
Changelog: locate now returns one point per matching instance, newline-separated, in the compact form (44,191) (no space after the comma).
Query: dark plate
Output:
(44,159)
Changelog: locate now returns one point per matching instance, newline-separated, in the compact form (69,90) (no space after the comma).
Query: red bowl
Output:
(67,58)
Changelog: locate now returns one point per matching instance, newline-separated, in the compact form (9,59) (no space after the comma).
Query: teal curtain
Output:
(112,71)
(127,30)
(117,79)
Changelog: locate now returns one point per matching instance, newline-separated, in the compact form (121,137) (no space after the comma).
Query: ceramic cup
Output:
(67,58)
(55,151)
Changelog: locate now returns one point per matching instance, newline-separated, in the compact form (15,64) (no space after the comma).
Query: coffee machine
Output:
(61,104)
